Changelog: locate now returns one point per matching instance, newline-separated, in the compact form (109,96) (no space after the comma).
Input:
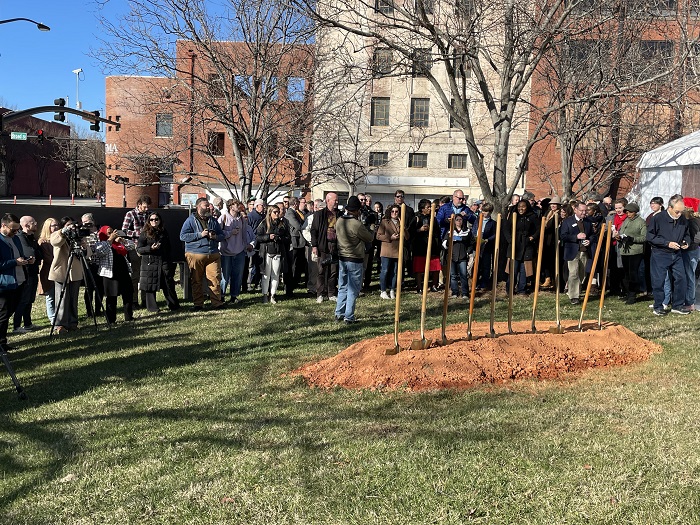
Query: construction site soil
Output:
(464,363)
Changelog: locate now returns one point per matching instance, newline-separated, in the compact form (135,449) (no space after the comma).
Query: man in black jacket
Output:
(668,236)
(324,247)
(575,233)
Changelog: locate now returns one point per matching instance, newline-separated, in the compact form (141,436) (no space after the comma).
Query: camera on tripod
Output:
(76,233)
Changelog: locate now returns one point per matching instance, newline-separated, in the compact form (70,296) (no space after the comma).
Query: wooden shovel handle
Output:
(426,274)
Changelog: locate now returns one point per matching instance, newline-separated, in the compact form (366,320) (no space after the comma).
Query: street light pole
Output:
(39,25)
(77,72)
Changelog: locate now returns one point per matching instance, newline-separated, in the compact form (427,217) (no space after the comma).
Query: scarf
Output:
(119,248)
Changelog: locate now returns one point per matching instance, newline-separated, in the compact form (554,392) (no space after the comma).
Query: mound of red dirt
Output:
(462,364)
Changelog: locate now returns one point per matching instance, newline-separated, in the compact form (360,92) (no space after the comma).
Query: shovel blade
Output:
(419,344)
(445,341)
(392,351)
(556,329)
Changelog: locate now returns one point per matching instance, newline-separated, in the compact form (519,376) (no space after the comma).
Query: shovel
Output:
(399,279)
(475,275)
(444,341)
(494,278)
(537,275)
(590,278)
(423,343)
(511,271)
(556,329)
(605,276)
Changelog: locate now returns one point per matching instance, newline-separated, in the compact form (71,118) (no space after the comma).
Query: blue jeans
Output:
(349,283)
(661,264)
(691,264)
(387,276)
(232,273)
(50,306)
(458,274)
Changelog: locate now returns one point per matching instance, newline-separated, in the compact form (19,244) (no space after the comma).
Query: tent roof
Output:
(684,151)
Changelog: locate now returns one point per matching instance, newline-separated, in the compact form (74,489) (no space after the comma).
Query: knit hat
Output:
(353,204)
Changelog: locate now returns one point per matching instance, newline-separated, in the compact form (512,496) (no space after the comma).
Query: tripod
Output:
(6,360)
(77,252)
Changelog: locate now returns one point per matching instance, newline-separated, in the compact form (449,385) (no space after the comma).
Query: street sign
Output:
(17,135)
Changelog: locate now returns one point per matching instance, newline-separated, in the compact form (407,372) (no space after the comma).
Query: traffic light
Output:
(96,125)
(40,135)
(59,115)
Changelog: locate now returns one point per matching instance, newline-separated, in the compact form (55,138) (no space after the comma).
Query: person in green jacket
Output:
(351,236)
(631,237)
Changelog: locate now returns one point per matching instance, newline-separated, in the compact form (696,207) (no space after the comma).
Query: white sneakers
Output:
(319,299)
(392,294)
(384,295)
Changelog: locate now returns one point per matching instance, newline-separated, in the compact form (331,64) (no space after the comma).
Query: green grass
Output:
(188,418)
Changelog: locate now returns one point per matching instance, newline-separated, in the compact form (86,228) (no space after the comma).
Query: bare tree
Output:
(242,66)
(610,87)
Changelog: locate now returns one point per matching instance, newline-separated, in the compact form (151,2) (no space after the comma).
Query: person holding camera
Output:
(630,241)
(273,240)
(112,259)
(13,274)
(668,235)
(202,235)
(66,239)
(352,237)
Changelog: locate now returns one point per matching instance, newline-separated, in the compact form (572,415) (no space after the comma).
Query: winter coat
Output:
(389,247)
(277,246)
(419,239)
(526,235)
(154,263)
(635,231)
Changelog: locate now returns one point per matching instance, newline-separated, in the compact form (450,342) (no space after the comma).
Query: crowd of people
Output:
(315,248)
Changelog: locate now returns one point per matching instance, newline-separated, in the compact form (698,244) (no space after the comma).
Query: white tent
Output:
(667,170)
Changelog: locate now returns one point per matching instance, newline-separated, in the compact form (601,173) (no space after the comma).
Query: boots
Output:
(631,298)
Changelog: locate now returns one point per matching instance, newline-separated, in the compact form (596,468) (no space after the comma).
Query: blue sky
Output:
(36,66)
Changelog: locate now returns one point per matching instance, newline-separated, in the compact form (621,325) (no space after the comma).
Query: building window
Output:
(427,5)
(216,86)
(420,109)
(164,124)
(378,158)
(464,9)
(422,62)
(295,89)
(457,161)
(386,7)
(216,143)
(243,84)
(381,62)
(417,160)
(380,111)
(657,50)
(461,65)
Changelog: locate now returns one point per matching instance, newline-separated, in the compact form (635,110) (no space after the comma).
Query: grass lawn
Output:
(190,418)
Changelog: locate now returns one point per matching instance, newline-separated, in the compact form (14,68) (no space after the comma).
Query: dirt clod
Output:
(463,364)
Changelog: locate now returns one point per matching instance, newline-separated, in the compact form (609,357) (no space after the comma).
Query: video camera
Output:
(76,233)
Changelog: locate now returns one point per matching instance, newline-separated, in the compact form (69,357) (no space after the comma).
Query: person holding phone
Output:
(668,235)
(30,246)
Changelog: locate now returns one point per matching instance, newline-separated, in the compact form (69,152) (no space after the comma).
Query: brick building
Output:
(175,140)
(600,141)
(32,167)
